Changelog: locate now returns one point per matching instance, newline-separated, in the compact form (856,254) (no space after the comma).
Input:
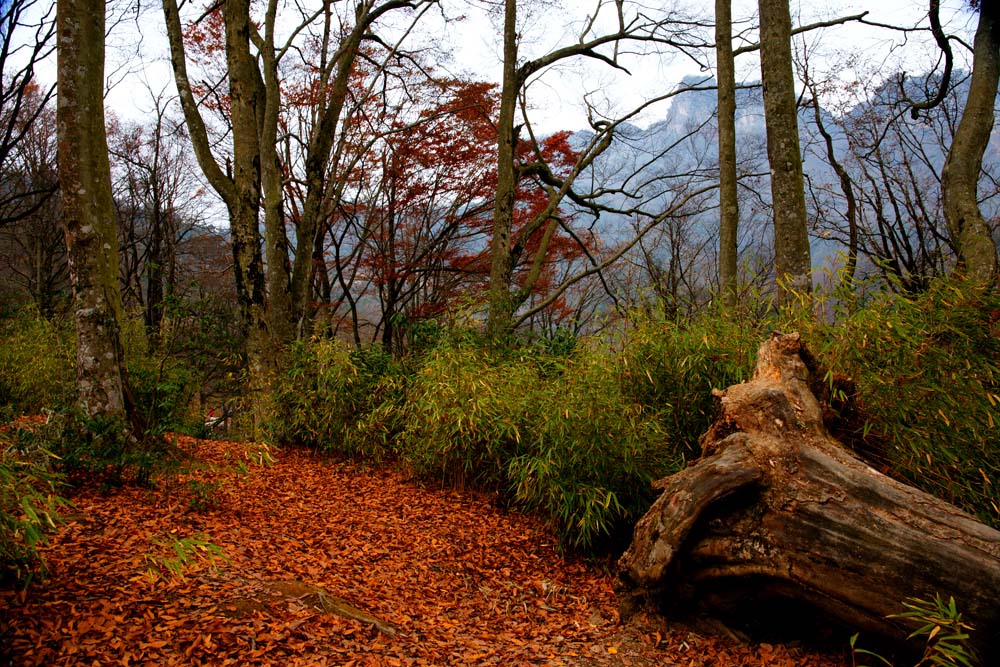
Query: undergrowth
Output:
(37,377)
(945,637)
(330,396)
(553,434)
(576,429)
(927,371)
(37,370)
(36,363)
(29,504)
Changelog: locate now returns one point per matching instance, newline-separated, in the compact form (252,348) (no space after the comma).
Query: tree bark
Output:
(281,320)
(777,509)
(960,176)
(791,237)
(244,209)
(729,210)
(240,189)
(88,209)
(501,301)
(319,153)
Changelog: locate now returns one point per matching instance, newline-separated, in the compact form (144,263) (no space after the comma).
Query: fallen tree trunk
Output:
(776,508)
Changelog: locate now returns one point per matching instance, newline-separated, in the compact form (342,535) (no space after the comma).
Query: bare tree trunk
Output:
(501,301)
(244,208)
(159,229)
(960,176)
(320,151)
(240,189)
(776,508)
(281,318)
(88,210)
(318,317)
(791,238)
(729,210)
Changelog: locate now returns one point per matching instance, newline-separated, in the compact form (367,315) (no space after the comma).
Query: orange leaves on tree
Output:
(205,40)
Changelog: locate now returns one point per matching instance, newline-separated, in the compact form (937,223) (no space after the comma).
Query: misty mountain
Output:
(670,163)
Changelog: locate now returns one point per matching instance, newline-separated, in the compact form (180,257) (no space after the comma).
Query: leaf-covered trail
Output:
(457,581)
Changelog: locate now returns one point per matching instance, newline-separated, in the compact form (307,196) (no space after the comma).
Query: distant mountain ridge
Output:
(682,149)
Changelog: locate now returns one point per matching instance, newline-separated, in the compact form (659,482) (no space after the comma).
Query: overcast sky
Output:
(556,97)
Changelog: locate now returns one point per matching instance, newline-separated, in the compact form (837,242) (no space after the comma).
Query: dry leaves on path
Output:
(326,564)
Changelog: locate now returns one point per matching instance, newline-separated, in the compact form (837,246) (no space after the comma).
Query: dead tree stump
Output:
(777,508)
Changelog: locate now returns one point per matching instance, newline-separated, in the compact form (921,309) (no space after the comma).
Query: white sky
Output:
(556,98)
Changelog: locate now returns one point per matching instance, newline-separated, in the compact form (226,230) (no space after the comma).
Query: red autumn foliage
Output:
(457,581)
(415,219)
(205,38)
(424,194)
(411,184)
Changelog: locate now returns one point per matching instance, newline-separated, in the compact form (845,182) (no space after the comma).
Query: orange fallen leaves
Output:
(461,581)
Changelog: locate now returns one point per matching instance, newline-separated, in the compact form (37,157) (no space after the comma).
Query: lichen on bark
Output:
(88,208)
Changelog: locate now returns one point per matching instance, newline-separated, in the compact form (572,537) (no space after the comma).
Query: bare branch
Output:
(806,28)
(949,58)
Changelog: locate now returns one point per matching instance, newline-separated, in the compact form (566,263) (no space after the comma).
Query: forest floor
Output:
(328,563)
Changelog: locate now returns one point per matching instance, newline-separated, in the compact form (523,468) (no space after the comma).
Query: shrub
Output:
(100,449)
(201,339)
(926,370)
(163,391)
(163,382)
(29,505)
(553,434)
(327,391)
(592,456)
(672,367)
(945,637)
(36,363)
(467,415)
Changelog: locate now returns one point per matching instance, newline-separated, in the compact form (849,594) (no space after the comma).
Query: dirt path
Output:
(423,576)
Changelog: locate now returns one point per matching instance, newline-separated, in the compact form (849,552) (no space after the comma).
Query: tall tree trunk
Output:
(389,316)
(960,177)
(317,163)
(501,301)
(244,207)
(239,187)
(281,320)
(88,210)
(317,315)
(791,238)
(170,263)
(155,263)
(729,210)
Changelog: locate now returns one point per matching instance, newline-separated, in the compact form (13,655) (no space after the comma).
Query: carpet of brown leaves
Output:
(451,580)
